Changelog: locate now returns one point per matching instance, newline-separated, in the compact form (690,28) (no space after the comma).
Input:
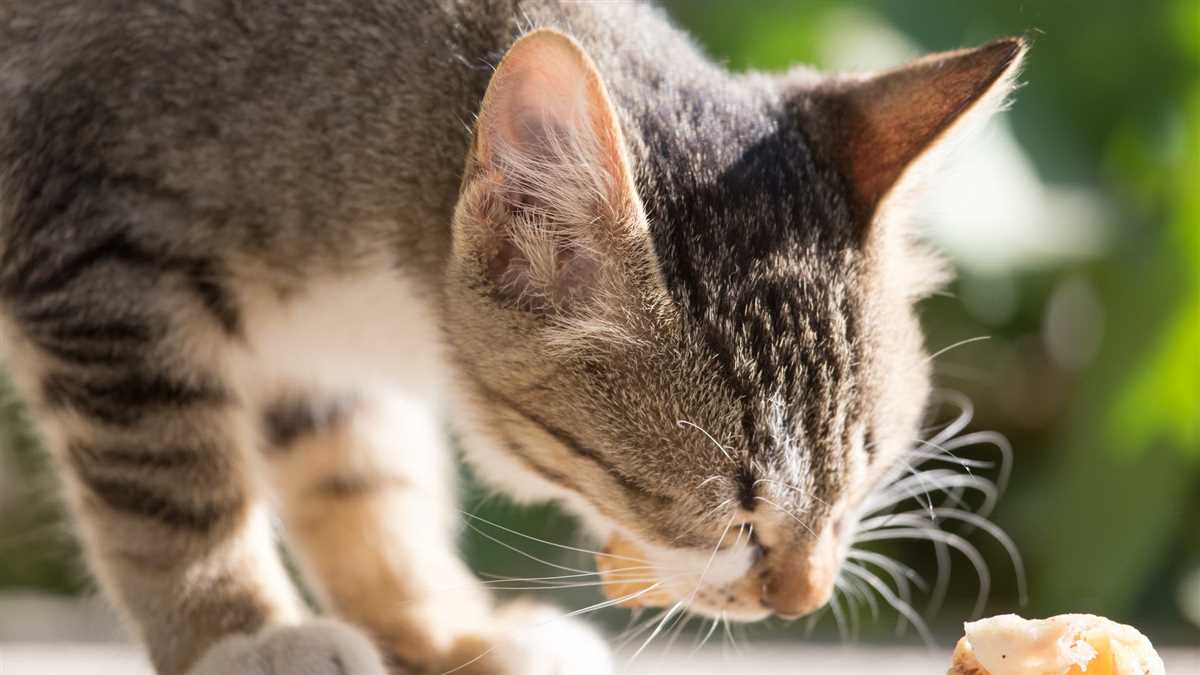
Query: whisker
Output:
(582,584)
(896,603)
(905,489)
(838,617)
(999,535)
(525,554)
(711,629)
(632,633)
(853,599)
(901,573)
(950,458)
(703,519)
(994,439)
(954,346)
(724,450)
(550,543)
(787,513)
(960,422)
(925,532)
(657,630)
(585,610)
(711,558)
(866,593)
(729,634)
(943,454)
(812,621)
(795,488)
(680,624)
(507,579)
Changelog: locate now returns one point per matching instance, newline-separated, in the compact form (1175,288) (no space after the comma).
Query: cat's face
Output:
(689,353)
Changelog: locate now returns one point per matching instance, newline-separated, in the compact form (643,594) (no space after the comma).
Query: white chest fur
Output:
(372,329)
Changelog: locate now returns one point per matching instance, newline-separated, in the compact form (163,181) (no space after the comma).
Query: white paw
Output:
(321,647)
(534,639)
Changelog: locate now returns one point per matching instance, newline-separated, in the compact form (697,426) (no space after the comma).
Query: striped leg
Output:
(162,499)
(118,354)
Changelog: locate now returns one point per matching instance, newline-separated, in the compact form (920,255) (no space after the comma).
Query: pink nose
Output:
(800,585)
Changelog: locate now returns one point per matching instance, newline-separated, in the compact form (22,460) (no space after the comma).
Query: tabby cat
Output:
(254,254)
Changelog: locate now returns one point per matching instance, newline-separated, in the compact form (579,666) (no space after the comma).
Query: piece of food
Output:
(1068,644)
(626,574)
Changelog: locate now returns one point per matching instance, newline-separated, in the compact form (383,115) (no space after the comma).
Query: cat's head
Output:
(690,320)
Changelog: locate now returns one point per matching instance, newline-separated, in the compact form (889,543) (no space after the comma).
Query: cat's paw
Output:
(525,638)
(320,647)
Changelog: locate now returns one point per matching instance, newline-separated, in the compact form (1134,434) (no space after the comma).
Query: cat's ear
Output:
(548,200)
(881,125)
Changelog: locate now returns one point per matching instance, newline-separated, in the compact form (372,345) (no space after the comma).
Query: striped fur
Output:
(244,267)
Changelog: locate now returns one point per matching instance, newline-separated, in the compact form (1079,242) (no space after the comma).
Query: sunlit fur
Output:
(255,255)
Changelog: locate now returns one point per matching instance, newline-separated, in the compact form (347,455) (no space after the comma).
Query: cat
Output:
(254,255)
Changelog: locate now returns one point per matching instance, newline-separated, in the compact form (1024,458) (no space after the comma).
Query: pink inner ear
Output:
(546,106)
(535,101)
(552,190)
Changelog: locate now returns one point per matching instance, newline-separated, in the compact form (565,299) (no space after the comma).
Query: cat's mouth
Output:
(728,584)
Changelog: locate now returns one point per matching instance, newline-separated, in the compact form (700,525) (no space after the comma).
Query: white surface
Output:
(108,659)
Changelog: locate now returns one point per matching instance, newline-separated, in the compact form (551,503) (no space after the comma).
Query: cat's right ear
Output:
(548,201)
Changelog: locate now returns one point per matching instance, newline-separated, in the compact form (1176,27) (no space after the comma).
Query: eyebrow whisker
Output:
(724,450)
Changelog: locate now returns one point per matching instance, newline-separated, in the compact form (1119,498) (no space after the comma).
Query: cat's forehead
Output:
(755,244)
(738,192)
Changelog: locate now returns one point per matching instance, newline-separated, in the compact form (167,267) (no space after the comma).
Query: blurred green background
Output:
(1074,221)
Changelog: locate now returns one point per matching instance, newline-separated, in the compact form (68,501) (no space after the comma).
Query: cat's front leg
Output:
(321,647)
(367,497)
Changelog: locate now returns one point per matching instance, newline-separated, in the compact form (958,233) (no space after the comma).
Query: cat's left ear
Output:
(548,204)
(879,127)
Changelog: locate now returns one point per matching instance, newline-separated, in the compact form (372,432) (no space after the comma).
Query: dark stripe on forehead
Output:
(751,229)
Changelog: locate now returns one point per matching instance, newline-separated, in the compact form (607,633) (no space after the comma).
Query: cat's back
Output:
(268,127)
(272,123)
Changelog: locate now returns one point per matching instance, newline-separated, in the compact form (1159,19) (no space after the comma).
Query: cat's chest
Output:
(373,328)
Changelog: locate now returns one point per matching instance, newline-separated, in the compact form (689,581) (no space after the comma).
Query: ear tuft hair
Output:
(549,201)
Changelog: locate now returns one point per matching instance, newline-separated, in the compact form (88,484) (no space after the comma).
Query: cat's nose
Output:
(796,590)
(800,582)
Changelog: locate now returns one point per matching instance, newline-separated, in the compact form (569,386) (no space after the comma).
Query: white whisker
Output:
(702,520)
(632,633)
(999,535)
(960,422)
(578,612)
(729,634)
(681,623)
(926,532)
(550,543)
(954,346)
(558,577)
(657,630)
(838,617)
(901,573)
(525,554)
(989,438)
(724,450)
(795,488)
(787,513)
(890,597)
(944,479)
(711,629)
